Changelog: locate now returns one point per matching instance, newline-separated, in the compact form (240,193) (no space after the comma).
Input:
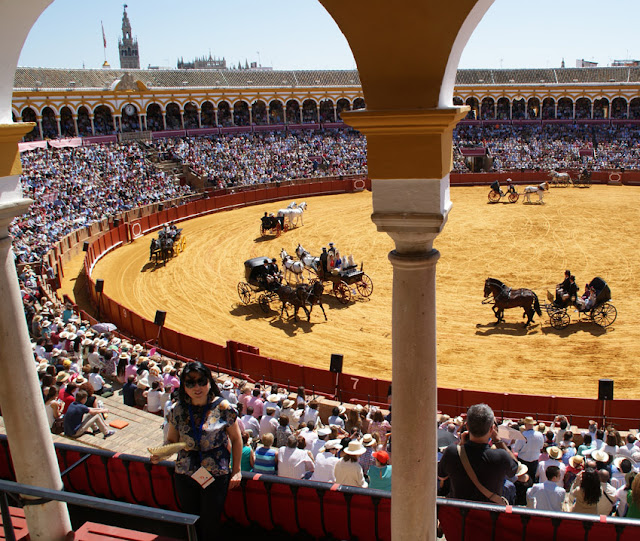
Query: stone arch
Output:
(259,113)
(359,103)
(327,111)
(190,116)
(241,113)
(634,109)
(207,115)
(224,114)
(103,120)
(309,111)
(29,115)
(601,108)
(174,122)
(84,121)
(548,108)
(67,127)
(518,109)
(458,101)
(130,118)
(49,123)
(343,105)
(293,112)
(583,108)
(533,108)
(276,112)
(503,108)
(474,105)
(488,108)
(565,108)
(619,107)
(154,117)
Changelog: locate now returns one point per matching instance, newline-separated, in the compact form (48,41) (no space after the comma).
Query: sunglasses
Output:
(201,382)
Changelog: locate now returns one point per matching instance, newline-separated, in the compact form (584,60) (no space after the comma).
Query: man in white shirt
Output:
(528,450)
(628,448)
(608,498)
(555,459)
(294,462)
(269,424)
(309,434)
(323,434)
(251,423)
(547,496)
(326,461)
(228,392)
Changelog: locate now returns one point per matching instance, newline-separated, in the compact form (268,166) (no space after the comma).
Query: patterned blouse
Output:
(213,443)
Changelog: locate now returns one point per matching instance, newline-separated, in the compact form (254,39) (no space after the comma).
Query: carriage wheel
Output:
(513,197)
(244,292)
(365,286)
(184,243)
(560,319)
(604,315)
(264,302)
(278,229)
(342,292)
(494,197)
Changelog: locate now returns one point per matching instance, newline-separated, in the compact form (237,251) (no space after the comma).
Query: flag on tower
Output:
(104,38)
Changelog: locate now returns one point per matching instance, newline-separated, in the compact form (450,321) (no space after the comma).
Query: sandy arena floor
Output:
(589,231)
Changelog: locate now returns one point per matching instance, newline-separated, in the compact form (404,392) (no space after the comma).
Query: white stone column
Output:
(199,118)
(39,121)
(164,120)
(410,156)
(93,127)
(23,412)
(59,127)
(75,124)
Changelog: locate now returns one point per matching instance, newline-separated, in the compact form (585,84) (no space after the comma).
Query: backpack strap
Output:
(491,496)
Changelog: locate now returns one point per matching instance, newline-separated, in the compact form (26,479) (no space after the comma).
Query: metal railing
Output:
(110,506)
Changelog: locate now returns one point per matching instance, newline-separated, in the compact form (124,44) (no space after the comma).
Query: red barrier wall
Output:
(247,360)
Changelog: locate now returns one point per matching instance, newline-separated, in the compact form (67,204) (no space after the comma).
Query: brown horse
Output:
(312,294)
(504,297)
(288,295)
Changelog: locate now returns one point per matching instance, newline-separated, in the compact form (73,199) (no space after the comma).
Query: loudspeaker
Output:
(160,207)
(605,389)
(99,285)
(160,317)
(336,363)
(85,246)
(116,222)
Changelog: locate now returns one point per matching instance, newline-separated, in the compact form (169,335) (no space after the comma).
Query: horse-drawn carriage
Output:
(264,282)
(170,241)
(495,194)
(272,225)
(342,277)
(602,312)
(583,180)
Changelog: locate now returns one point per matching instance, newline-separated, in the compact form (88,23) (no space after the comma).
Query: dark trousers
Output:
(207,503)
(533,468)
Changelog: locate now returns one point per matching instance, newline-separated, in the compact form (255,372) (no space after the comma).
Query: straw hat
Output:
(618,460)
(115,341)
(600,456)
(273,398)
(522,469)
(168,368)
(355,448)
(367,440)
(227,385)
(554,452)
(46,323)
(138,348)
(63,334)
(331,444)
(324,431)
(80,380)
(42,367)
(576,461)
(341,410)
(529,420)
(62,377)
(124,356)
(143,383)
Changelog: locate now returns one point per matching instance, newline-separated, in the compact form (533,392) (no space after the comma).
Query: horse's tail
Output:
(536,304)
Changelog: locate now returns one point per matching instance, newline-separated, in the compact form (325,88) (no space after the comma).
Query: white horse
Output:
(560,178)
(291,267)
(292,215)
(310,263)
(539,189)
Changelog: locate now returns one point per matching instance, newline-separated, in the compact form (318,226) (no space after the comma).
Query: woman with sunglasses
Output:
(206,423)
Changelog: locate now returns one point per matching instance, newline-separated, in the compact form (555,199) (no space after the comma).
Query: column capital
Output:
(408,143)
(10,135)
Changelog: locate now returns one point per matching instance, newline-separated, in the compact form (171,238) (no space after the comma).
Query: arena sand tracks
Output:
(592,232)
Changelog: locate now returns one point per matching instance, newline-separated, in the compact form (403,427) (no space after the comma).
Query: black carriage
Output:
(602,313)
(583,180)
(272,225)
(343,280)
(256,284)
(496,193)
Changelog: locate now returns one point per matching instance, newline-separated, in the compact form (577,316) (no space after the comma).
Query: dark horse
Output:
(312,294)
(504,297)
(288,295)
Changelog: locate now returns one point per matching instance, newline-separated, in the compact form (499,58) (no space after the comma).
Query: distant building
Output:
(203,63)
(625,63)
(127,46)
(582,63)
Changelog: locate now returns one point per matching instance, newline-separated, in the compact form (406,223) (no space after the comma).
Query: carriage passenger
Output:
(588,300)
(495,186)
(562,289)
(273,274)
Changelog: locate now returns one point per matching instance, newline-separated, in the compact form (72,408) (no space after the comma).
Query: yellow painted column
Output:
(409,157)
(23,412)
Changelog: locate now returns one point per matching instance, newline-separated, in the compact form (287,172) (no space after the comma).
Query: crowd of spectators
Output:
(548,147)
(531,464)
(76,187)
(254,158)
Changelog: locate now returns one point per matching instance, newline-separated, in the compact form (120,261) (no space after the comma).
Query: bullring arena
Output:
(589,231)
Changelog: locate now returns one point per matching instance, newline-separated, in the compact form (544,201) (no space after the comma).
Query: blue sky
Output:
(299,34)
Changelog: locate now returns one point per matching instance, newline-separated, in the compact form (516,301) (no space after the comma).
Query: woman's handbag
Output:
(58,425)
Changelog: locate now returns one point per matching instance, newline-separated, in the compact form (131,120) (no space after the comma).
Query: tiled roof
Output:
(96,79)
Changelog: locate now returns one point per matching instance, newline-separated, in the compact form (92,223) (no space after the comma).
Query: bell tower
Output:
(127,46)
